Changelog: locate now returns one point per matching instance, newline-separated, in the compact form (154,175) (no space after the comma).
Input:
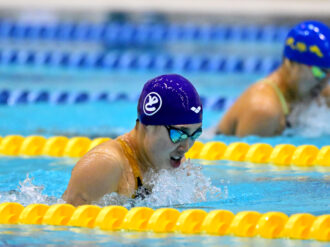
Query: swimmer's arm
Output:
(261,122)
(95,175)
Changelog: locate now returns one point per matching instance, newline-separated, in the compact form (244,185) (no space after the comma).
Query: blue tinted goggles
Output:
(178,135)
(320,73)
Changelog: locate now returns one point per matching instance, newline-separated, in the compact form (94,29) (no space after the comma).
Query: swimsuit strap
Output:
(280,95)
(132,161)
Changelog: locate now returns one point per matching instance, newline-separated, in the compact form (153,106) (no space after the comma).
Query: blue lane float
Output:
(139,61)
(143,33)
(16,97)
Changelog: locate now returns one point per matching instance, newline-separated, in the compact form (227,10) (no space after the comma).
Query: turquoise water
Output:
(101,120)
(96,119)
(223,47)
(15,235)
(122,81)
(235,186)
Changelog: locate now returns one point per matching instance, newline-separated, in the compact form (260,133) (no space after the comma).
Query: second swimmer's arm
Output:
(95,175)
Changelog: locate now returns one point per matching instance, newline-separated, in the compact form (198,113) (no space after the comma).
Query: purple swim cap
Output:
(169,100)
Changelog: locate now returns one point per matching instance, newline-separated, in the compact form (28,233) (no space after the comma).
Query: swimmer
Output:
(169,121)
(305,71)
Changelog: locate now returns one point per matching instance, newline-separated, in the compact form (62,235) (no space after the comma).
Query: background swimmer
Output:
(263,108)
(169,121)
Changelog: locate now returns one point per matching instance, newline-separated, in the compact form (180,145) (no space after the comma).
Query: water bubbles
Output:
(165,188)
(310,120)
(184,185)
(28,193)
(208,134)
(114,199)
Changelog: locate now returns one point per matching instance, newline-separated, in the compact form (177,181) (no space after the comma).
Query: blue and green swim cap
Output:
(309,43)
(169,100)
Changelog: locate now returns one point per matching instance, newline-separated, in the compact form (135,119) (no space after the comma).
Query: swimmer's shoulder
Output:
(232,116)
(109,147)
(255,90)
(260,106)
(98,172)
(248,101)
(105,154)
(113,147)
(263,98)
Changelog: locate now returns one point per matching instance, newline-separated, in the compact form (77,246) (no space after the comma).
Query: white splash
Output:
(310,120)
(183,185)
(208,134)
(28,193)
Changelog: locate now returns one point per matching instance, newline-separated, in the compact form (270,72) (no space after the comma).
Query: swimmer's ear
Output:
(137,123)
(290,63)
(292,66)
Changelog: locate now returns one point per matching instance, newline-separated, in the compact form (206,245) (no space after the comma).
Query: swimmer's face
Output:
(310,86)
(323,77)
(161,150)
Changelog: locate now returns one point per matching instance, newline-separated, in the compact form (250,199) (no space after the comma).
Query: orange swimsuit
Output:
(284,104)
(135,168)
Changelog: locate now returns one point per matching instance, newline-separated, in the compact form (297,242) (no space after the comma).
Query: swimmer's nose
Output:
(185,145)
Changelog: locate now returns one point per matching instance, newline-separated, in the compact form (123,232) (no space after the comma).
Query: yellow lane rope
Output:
(170,220)
(282,154)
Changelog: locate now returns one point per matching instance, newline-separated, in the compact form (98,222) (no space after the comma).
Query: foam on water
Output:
(183,185)
(28,193)
(310,119)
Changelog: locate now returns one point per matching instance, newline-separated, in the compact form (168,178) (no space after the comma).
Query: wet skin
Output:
(258,111)
(107,168)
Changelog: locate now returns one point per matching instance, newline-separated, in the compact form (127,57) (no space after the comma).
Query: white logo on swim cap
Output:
(196,110)
(152,103)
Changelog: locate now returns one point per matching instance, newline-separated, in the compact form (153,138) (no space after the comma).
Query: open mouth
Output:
(316,90)
(176,161)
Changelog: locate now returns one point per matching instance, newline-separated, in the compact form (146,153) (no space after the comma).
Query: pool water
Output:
(235,186)
(95,119)
(99,119)
(18,235)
